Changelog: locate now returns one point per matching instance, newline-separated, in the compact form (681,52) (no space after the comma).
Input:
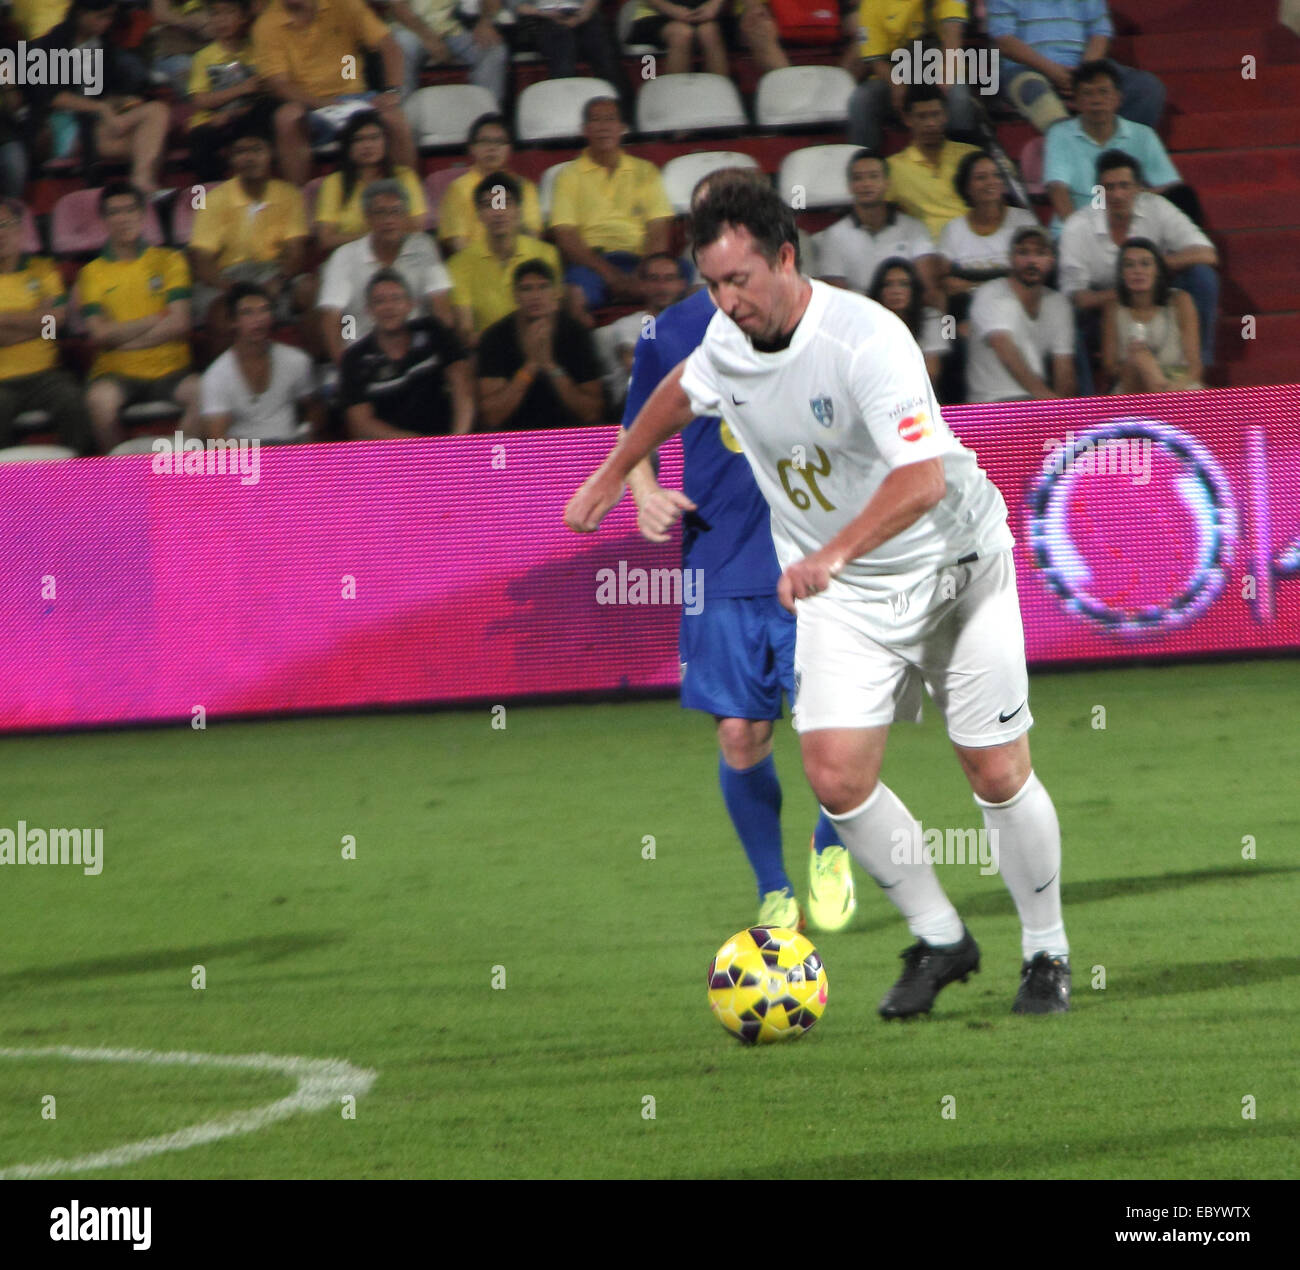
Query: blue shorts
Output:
(737,657)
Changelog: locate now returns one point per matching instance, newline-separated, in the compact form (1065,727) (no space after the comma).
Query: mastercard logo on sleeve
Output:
(914,427)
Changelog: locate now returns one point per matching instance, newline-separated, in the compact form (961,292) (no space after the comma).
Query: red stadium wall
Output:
(438,571)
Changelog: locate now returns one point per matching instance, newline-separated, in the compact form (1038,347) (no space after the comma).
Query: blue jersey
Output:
(729,537)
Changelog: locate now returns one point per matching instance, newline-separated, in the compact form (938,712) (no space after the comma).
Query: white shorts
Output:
(861,664)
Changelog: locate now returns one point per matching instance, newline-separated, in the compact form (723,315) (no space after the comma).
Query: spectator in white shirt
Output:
(1092,237)
(897,286)
(852,249)
(1021,331)
(665,284)
(976,248)
(258,388)
(345,316)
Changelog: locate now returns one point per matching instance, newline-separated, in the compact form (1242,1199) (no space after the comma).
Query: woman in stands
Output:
(683,29)
(366,156)
(490,150)
(1150,341)
(898,287)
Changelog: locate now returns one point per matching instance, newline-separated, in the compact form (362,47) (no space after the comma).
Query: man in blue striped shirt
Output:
(1042,41)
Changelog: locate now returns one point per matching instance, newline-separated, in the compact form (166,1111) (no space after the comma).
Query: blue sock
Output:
(753,799)
(825,835)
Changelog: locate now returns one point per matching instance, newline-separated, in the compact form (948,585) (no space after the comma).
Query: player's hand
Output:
(805,578)
(586,509)
(657,512)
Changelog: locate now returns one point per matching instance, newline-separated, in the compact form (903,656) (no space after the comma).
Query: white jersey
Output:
(824,421)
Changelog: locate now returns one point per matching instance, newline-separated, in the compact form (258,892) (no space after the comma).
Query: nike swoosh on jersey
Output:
(734,402)
(1002,718)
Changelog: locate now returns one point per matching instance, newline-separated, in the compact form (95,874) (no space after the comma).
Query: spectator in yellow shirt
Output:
(610,209)
(921,177)
(490,150)
(33,304)
(311,54)
(365,157)
(136,304)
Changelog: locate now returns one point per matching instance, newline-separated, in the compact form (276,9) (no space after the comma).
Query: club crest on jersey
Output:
(823,409)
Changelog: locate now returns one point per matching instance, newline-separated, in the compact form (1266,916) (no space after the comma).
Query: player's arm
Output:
(904,496)
(666,413)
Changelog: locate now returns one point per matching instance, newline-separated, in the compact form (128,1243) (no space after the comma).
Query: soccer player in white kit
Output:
(897,562)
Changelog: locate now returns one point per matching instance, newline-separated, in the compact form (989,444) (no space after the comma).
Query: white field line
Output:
(321,1084)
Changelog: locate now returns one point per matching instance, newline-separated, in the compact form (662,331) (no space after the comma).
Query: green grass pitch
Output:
(523,848)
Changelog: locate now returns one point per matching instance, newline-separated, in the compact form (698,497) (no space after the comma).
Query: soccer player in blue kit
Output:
(737,652)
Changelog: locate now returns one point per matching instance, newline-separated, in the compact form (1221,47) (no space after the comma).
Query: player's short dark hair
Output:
(387,275)
(494,180)
(119,189)
(530,267)
(1160,292)
(602,101)
(1113,160)
(492,117)
(242,290)
(917,93)
(1086,72)
(858,155)
(758,209)
(961,178)
(727,176)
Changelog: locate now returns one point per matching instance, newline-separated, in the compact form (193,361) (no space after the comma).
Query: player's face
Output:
(1138,268)
(368,146)
(663,285)
(1121,189)
(390,306)
(253,319)
(985,184)
(1098,100)
(1031,262)
(928,121)
(896,291)
(868,182)
(756,295)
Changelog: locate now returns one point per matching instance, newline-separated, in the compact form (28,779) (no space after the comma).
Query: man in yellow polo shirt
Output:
(609,210)
(310,53)
(136,304)
(921,177)
(251,229)
(33,304)
(482,275)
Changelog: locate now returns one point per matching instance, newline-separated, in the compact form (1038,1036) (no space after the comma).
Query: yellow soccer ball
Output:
(767,984)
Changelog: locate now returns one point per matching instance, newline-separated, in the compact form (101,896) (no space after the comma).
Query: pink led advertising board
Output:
(439,571)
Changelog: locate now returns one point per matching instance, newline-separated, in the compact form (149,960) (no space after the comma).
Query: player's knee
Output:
(999,773)
(744,742)
(839,789)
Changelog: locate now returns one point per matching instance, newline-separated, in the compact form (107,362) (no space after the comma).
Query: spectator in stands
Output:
(1021,330)
(410,376)
(113,123)
(258,388)
(850,251)
(179,32)
(345,315)
(1042,41)
(976,247)
(615,343)
(310,52)
(564,30)
(683,29)
(490,151)
(886,25)
(1090,243)
(609,210)
(13,148)
(36,18)
(226,89)
(364,158)
(1149,340)
(251,228)
(135,301)
(1070,157)
(482,276)
(921,176)
(33,304)
(897,285)
(439,31)
(760,35)
(537,368)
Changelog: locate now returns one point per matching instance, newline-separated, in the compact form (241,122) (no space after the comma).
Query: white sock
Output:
(1026,837)
(878,832)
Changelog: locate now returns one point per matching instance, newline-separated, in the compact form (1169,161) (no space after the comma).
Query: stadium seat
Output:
(136,445)
(820,172)
(626,16)
(76,230)
(440,116)
(506,23)
(681,174)
(552,109)
(35,453)
(183,210)
(436,185)
(693,102)
(31,244)
(33,421)
(1031,166)
(546,188)
(803,96)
